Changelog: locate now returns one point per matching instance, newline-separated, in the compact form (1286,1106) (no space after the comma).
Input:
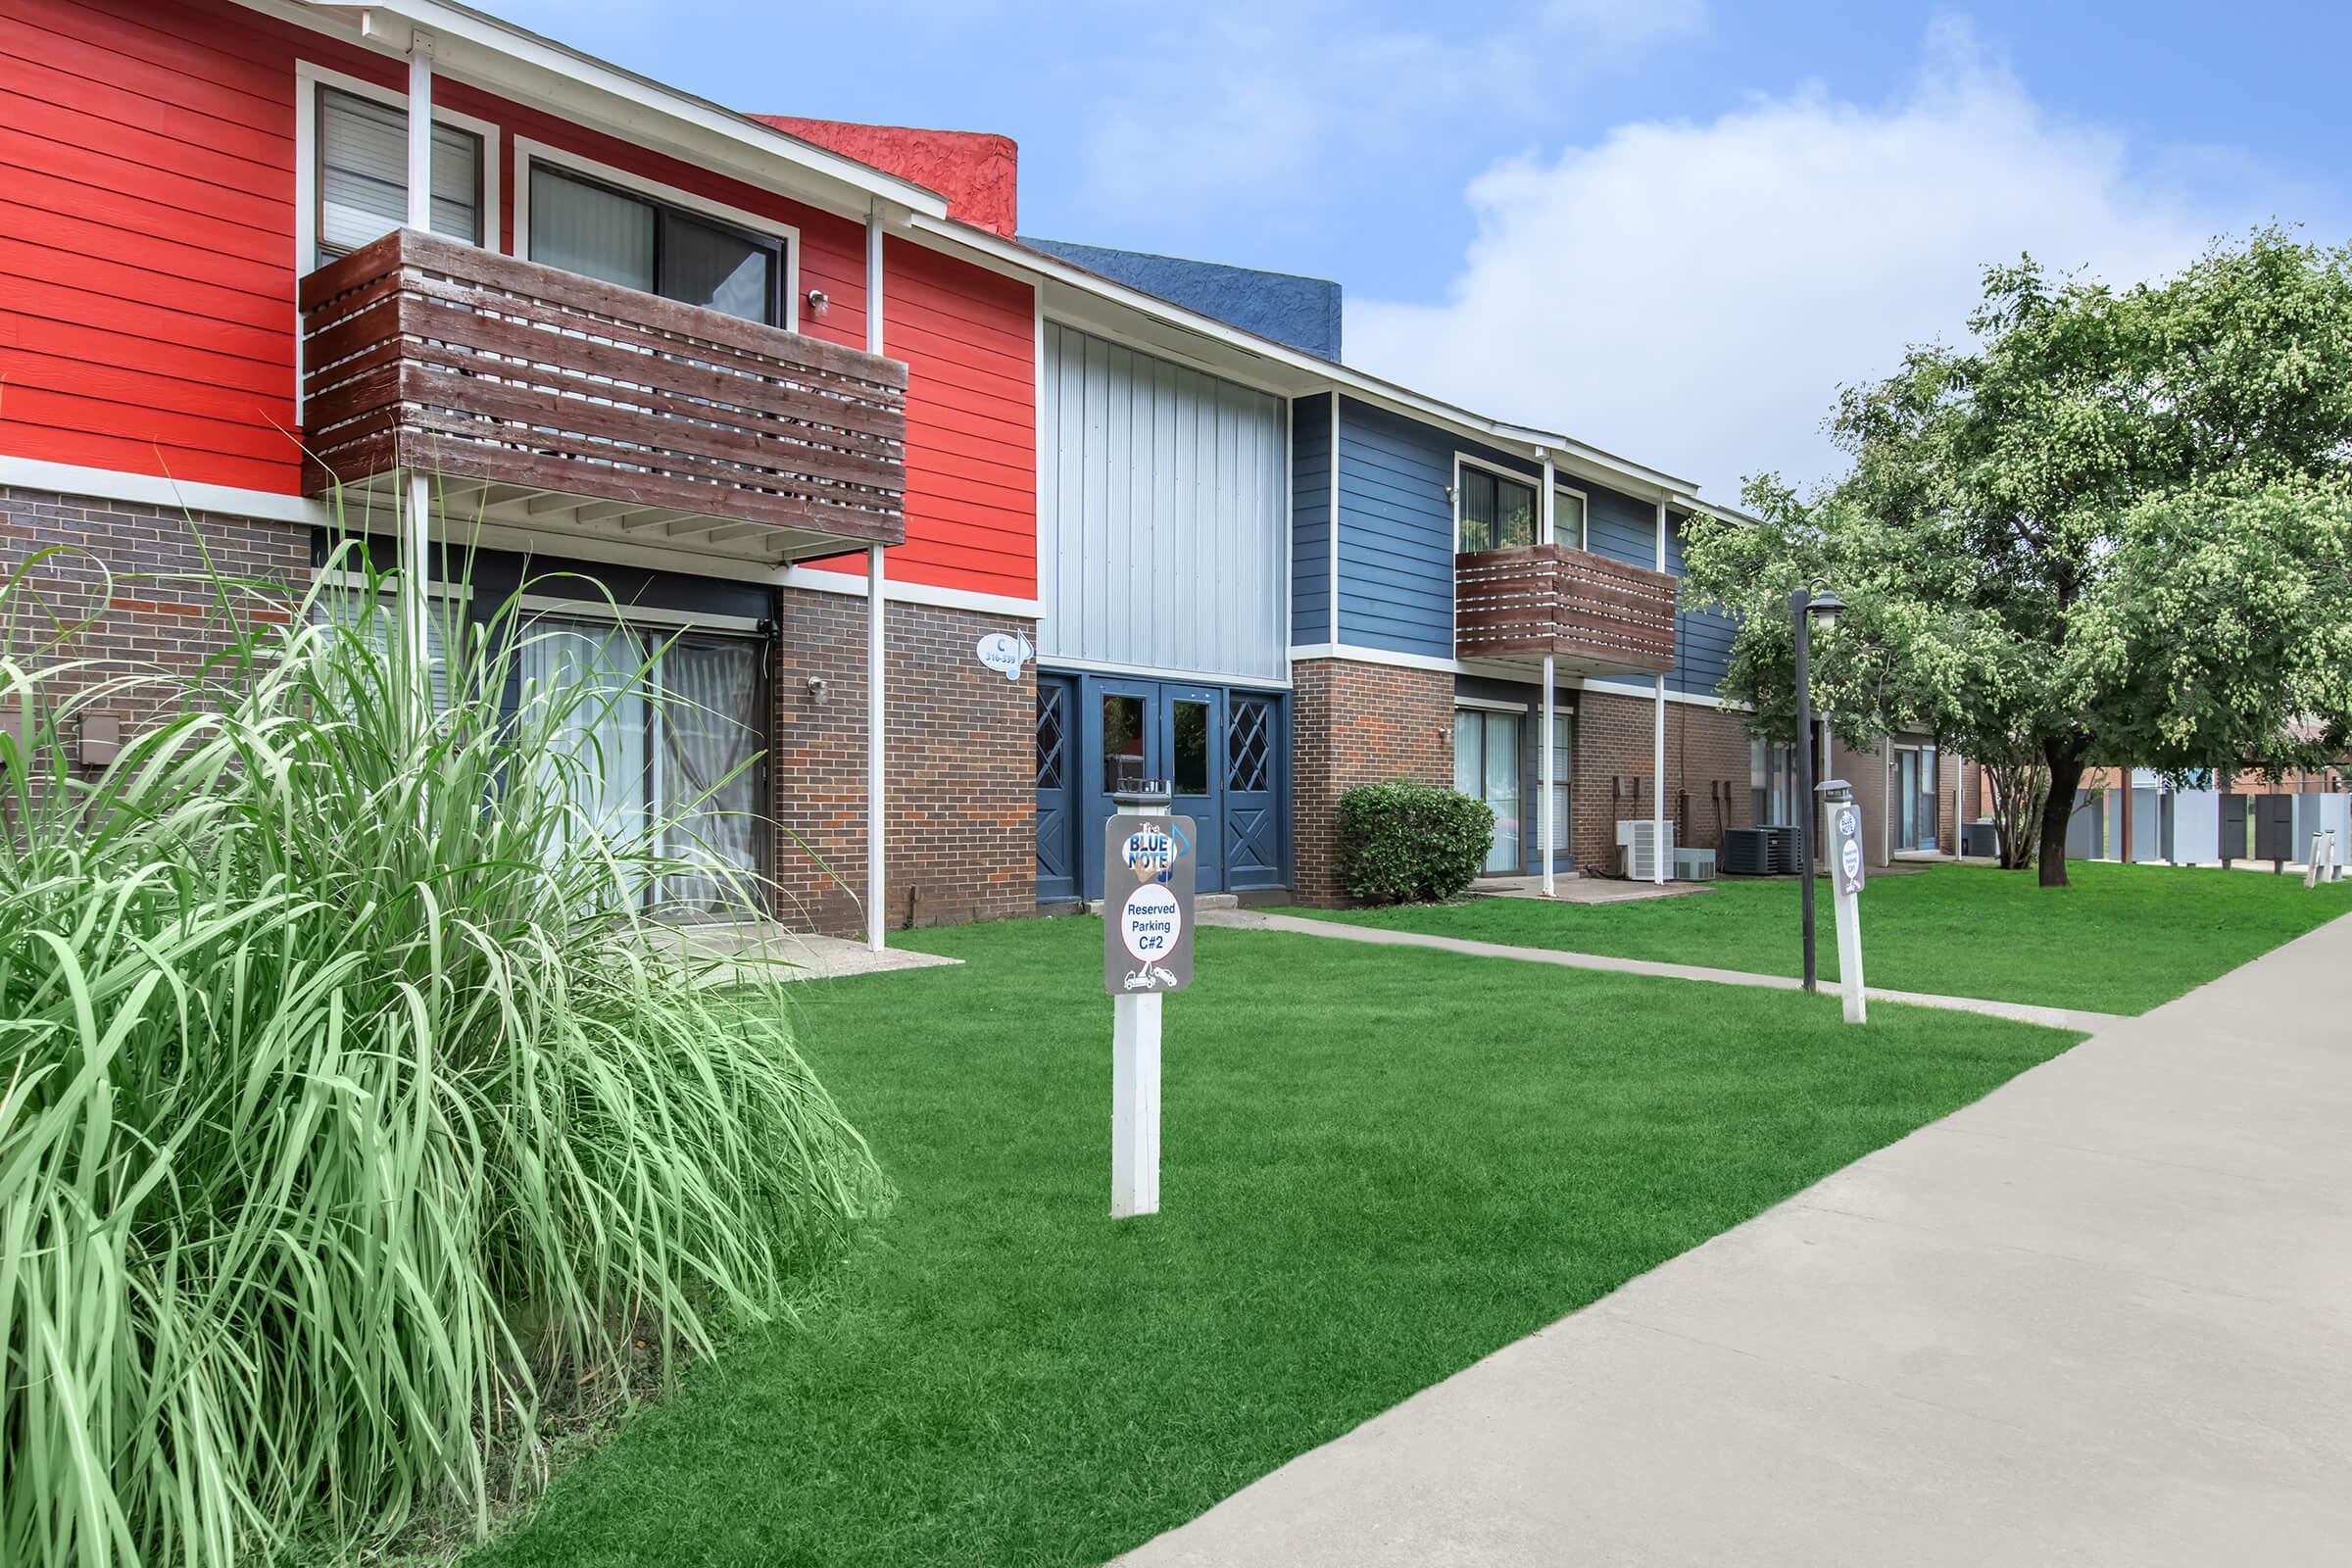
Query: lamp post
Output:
(1804,606)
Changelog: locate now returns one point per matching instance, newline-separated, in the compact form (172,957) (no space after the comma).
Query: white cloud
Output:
(1691,295)
(1240,106)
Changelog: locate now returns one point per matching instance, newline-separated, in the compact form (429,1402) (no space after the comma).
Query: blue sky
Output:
(1668,227)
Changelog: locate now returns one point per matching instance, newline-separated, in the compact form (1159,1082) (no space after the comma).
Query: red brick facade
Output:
(1708,777)
(139,574)
(1352,724)
(959,776)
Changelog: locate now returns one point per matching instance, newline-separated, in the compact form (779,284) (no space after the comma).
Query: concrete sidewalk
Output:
(2104,1315)
(1379,936)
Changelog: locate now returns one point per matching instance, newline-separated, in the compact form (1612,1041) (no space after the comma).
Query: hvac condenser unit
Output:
(1695,865)
(1642,846)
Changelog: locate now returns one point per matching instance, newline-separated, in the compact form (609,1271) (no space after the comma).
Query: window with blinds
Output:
(1496,512)
(586,227)
(364,174)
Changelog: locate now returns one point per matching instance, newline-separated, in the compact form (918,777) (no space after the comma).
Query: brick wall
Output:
(961,769)
(1357,724)
(134,572)
(1707,774)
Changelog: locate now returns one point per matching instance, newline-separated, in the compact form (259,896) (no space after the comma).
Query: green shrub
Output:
(1407,842)
(350,1127)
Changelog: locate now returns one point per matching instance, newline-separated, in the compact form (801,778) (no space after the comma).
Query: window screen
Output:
(591,228)
(364,174)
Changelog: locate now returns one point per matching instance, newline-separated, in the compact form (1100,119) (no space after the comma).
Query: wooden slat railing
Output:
(1540,599)
(425,353)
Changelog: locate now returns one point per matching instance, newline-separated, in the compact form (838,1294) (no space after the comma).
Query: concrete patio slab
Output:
(2102,1316)
(777,953)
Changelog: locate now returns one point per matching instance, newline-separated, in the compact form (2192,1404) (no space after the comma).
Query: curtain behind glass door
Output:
(590,672)
(708,725)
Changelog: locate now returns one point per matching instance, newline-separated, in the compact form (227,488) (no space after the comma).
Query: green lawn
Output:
(1379,1166)
(2123,939)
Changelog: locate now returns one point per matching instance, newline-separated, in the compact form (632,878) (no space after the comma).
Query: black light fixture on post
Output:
(1805,605)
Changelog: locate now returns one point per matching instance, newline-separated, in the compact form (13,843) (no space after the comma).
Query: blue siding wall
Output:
(1310,519)
(1618,527)
(1703,638)
(1397,530)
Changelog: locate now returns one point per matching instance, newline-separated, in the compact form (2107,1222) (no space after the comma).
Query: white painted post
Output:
(876,630)
(416,537)
(1657,771)
(1134,1092)
(874,749)
(1550,810)
(1657,748)
(1547,811)
(1849,952)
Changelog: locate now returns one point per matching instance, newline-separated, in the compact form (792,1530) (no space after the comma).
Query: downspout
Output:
(874,627)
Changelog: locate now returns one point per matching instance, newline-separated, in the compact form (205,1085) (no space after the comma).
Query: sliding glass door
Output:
(1486,766)
(666,763)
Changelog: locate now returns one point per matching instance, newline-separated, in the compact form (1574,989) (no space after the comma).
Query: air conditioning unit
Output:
(1641,848)
(1695,865)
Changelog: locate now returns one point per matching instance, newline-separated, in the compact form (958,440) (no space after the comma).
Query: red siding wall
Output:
(147,270)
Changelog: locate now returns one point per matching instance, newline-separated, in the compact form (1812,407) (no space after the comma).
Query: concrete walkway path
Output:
(2021,1011)
(2102,1316)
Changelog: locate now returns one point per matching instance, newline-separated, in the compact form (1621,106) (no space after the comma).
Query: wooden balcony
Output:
(544,399)
(1594,614)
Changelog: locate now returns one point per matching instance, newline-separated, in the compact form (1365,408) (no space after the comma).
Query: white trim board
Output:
(1648,694)
(600,610)
(1352,654)
(819,579)
(1162,672)
(529,152)
(159,490)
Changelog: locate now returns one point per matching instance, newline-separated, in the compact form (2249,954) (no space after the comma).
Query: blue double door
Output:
(1224,752)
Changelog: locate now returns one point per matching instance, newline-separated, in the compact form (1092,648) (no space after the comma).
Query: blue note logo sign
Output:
(1152,854)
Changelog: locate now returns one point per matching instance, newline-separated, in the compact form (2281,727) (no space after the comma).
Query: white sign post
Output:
(1146,953)
(1845,839)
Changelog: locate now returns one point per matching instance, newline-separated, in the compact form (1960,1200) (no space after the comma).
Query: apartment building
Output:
(801,398)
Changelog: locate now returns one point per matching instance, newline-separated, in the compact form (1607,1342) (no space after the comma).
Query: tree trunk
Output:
(2066,776)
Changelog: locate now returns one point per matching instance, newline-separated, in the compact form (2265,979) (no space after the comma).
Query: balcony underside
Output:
(1591,614)
(539,399)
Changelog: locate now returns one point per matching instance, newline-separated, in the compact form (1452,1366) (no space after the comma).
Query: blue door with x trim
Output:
(1223,751)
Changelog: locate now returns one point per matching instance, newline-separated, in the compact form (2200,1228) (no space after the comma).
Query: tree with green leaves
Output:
(2115,530)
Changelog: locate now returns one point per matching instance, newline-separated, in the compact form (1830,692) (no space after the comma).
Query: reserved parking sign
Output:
(1147,904)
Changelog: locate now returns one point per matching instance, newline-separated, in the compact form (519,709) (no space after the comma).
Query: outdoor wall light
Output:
(819,302)
(816,690)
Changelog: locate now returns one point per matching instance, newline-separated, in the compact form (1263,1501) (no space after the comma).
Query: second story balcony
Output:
(542,398)
(1595,615)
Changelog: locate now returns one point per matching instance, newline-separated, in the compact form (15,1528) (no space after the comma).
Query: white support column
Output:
(1548,811)
(416,537)
(1658,747)
(875,628)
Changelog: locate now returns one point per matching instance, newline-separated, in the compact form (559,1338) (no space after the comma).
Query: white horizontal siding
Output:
(1159,528)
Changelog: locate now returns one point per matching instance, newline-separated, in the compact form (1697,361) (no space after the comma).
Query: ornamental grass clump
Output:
(353,1119)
